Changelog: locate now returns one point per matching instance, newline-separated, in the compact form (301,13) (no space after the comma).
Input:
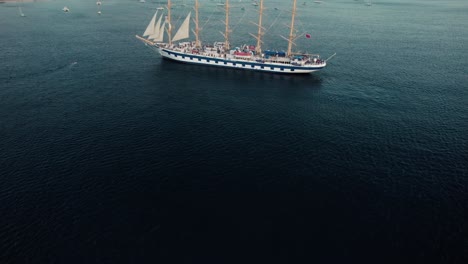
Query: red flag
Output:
(308,36)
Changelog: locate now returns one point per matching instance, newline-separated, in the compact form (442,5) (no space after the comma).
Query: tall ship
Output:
(220,54)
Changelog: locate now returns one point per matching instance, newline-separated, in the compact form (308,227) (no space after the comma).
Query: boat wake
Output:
(59,68)
(44,72)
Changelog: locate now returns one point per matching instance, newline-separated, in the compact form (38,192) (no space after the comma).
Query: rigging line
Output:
(209,18)
(180,16)
(239,22)
(301,25)
(274,22)
(177,20)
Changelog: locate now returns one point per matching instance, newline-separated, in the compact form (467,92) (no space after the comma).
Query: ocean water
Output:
(109,154)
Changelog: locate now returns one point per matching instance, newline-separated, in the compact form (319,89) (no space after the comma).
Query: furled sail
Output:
(183,31)
(157,30)
(150,28)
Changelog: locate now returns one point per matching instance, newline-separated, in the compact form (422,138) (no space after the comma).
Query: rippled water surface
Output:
(109,154)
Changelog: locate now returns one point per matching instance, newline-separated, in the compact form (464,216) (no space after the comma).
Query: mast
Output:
(197,29)
(226,34)
(258,37)
(169,28)
(291,32)
(258,49)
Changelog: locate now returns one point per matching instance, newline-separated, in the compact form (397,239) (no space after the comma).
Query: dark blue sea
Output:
(109,154)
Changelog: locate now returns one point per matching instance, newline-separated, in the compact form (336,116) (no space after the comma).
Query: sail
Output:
(183,31)
(157,29)
(160,38)
(150,28)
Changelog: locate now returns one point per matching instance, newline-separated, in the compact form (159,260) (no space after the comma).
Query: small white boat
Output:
(98,3)
(99,12)
(142,1)
(160,8)
(66,9)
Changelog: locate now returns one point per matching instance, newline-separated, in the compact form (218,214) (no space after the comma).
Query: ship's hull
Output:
(231,62)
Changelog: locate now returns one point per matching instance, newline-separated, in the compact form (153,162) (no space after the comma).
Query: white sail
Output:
(150,28)
(184,30)
(160,38)
(157,29)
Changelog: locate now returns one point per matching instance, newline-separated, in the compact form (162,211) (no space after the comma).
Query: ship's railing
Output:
(188,49)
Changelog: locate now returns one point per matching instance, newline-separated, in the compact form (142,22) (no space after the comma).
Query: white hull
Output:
(231,62)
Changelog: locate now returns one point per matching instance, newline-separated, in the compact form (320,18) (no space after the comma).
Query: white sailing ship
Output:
(220,54)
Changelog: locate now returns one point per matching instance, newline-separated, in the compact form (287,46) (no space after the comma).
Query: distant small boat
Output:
(99,12)
(142,1)
(160,8)
(98,3)
(318,2)
(66,9)
(21,12)
(369,3)
(255,4)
